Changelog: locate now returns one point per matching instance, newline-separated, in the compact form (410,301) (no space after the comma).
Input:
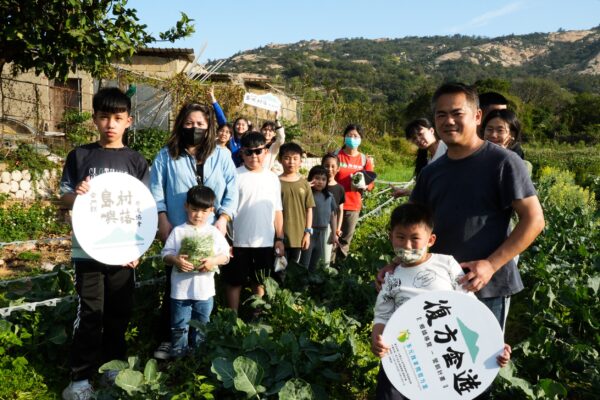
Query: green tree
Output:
(55,36)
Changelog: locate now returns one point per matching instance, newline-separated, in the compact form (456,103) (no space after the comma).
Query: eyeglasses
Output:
(249,152)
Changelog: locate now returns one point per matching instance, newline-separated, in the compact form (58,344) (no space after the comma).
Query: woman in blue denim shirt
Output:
(190,157)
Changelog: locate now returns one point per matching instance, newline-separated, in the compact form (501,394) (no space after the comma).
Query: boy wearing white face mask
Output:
(418,271)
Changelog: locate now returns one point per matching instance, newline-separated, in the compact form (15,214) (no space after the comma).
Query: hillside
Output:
(390,69)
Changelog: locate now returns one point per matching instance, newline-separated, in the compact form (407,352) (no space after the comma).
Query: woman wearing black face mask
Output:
(191,157)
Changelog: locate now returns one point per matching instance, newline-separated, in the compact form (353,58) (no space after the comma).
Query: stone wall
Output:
(22,185)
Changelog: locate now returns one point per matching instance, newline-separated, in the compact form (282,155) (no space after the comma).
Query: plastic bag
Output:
(280,262)
(358,181)
(197,248)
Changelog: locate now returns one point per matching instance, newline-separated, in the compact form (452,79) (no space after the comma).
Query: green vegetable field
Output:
(313,338)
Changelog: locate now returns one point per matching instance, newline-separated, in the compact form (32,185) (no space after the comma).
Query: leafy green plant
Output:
(558,190)
(78,127)
(29,256)
(26,158)
(148,141)
(556,352)
(19,222)
(19,379)
(147,384)
(196,388)
(322,347)
(197,248)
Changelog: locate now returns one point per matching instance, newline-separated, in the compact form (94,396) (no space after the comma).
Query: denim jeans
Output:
(182,311)
(499,307)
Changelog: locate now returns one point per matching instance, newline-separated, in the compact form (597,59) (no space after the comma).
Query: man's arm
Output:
(279,248)
(531,222)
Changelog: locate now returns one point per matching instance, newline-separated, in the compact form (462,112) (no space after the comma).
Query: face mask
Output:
(193,136)
(410,256)
(352,142)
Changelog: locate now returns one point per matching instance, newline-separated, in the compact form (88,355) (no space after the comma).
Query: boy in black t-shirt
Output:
(105,292)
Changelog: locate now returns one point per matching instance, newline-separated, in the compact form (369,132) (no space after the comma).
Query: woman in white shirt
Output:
(421,133)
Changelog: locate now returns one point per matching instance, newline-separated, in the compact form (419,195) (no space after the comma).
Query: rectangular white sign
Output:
(266,101)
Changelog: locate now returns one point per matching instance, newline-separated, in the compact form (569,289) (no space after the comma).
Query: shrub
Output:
(25,157)
(148,142)
(78,127)
(19,222)
(559,190)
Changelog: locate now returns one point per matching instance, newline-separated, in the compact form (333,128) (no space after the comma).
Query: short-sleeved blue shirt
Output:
(471,199)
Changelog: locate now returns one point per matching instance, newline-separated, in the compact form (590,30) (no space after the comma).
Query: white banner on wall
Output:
(115,221)
(443,346)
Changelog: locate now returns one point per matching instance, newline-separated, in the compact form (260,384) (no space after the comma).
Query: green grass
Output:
(394,173)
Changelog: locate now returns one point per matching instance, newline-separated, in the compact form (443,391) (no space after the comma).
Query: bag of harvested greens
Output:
(197,247)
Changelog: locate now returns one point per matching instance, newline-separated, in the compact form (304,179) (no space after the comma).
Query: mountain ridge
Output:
(520,49)
(379,65)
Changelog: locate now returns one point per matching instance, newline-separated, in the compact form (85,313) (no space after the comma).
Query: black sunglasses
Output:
(249,152)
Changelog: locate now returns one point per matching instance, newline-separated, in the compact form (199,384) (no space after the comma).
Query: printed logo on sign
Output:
(403,336)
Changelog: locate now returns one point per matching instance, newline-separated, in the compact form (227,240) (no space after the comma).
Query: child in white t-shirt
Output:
(258,223)
(411,234)
(196,249)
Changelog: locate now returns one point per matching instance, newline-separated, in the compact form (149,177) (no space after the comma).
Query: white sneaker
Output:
(78,391)
(163,352)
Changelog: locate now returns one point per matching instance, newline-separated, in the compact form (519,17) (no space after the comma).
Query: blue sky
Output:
(229,26)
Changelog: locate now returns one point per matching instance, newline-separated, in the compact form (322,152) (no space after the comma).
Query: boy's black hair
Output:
(332,156)
(411,214)
(290,147)
(251,140)
(489,98)
(201,197)
(111,100)
(319,170)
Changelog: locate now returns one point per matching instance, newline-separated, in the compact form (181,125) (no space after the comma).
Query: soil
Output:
(28,258)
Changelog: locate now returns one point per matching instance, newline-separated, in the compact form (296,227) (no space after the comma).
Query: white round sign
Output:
(115,221)
(443,345)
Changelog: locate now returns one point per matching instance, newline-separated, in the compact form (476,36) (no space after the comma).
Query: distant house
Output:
(30,104)
(33,105)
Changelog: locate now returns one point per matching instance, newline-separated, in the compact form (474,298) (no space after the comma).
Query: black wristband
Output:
(278,239)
